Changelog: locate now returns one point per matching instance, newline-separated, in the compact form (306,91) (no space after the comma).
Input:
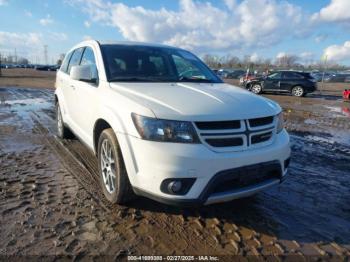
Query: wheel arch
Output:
(301,85)
(122,139)
(100,125)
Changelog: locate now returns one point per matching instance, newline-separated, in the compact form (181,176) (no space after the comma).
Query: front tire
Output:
(298,91)
(113,176)
(256,88)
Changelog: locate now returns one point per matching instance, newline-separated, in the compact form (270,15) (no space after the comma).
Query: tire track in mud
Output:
(82,164)
(190,226)
(242,227)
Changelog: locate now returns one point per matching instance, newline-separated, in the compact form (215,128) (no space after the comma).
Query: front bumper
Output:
(155,161)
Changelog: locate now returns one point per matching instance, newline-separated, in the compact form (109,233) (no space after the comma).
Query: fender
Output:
(112,117)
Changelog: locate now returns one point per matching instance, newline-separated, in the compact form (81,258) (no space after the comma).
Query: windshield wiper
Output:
(197,80)
(133,79)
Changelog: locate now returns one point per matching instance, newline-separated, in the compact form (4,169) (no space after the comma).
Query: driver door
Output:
(273,82)
(86,95)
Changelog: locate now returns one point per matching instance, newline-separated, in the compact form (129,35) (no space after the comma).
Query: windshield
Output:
(154,64)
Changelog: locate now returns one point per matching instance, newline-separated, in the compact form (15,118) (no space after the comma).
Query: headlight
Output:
(165,130)
(280,122)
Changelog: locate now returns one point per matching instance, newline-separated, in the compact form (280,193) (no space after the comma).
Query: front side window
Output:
(276,75)
(154,64)
(75,59)
(64,66)
(88,57)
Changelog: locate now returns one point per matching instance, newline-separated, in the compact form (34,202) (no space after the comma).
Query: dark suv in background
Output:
(293,82)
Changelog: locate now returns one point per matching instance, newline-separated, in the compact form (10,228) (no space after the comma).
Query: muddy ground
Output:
(27,77)
(51,204)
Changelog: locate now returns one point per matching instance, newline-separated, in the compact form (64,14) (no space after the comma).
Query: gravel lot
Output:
(50,202)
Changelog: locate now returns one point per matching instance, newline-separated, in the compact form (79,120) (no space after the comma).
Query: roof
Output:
(134,43)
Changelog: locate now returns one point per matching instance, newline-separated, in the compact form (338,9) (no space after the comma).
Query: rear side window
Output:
(88,57)
(292,75)
(75,59)
(64,66)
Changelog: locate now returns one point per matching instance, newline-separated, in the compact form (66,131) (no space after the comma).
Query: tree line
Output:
(263,64)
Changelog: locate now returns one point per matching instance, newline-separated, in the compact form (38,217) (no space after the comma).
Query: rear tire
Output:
(113,176)
(63,132)
(298,91)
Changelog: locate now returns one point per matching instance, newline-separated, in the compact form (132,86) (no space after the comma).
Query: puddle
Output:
(338,111)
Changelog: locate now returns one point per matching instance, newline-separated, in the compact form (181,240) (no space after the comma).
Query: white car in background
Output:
(164,126)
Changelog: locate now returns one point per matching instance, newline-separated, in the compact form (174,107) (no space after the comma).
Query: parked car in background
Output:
(47,67)
(244,79)
(162,133)
(223,73)
(336,78)
(346,94)
(293,82)
(236,74)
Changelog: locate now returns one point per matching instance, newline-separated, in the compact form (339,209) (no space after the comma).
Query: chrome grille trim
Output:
(246,132)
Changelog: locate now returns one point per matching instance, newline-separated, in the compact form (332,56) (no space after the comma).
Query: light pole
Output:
(0,65)
(324,69)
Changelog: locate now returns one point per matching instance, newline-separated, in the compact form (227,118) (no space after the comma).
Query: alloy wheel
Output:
(256,89)
(298,91)
(108,166)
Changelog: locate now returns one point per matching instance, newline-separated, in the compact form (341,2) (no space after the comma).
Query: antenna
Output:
(15,56)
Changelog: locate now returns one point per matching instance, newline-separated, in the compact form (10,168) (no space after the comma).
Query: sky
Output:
(258,28)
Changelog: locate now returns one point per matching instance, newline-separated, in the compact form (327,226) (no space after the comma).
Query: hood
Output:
(197,101)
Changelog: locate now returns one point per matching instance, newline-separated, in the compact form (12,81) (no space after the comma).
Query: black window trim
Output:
(83,47)
(70,54)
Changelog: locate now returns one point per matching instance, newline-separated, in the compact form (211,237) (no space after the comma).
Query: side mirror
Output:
(85,73)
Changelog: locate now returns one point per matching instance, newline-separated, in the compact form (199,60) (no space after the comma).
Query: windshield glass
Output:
(154,64)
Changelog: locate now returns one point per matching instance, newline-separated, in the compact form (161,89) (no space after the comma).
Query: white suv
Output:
(164,126)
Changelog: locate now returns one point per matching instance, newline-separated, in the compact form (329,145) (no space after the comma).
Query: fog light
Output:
(175,186)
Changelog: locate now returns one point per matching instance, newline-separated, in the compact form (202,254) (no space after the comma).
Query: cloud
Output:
(336,11)
(25,43)
(28,13)
(87,37)
(56,36)
(281,54)
(338,52)
(87,24)
(320,38)
(3,2)
(254,58)
(231,4)
(46,21)
(202,26)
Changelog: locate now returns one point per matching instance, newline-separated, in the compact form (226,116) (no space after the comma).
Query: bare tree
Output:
(23,61)
(286,61)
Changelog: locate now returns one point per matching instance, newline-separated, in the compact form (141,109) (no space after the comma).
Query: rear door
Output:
(272,82)
(70,92)
(62,83)
(290,79)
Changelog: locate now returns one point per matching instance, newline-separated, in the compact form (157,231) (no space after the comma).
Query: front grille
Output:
(217,125)
(225,142)
(246,177)
(263,121)
(237,135)
(261,137)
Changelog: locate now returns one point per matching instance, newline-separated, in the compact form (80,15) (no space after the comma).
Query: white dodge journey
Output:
(164,126)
